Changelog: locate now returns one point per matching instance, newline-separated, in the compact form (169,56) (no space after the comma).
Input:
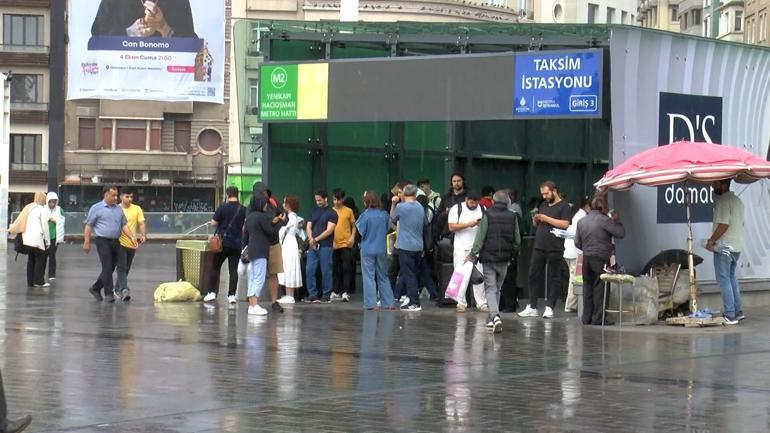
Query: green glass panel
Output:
(425,136)
(366,134)
(346,51)
(291,133)
(497,137)
(292,173)
(356,172)
(294,50)
(556,138)
(418,165)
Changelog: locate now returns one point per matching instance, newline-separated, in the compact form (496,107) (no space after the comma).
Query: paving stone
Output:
(82,366)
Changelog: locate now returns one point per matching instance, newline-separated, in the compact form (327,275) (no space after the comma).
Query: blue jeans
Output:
(257,271)
(724,267)
(424,272)
(374,272)
(323,257)
(409,262)
(125,259)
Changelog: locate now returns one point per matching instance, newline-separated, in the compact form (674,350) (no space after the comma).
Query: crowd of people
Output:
(407,240)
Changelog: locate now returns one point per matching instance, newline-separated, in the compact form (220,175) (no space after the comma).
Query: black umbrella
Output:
(667,257)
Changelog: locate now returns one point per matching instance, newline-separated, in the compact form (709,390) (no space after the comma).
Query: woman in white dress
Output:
(291,278)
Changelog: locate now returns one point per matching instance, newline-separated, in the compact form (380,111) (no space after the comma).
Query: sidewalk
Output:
(82,366)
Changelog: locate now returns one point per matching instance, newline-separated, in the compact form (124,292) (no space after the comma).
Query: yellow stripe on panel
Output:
(312,91)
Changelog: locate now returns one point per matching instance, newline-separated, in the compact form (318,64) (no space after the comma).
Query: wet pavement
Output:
(82,366)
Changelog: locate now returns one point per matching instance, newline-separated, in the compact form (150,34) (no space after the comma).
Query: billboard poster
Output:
(161,50)
(562,84)
(691,118)
(667,87)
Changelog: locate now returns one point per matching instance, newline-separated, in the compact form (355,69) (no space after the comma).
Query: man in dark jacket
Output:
(497,243)
(594,237)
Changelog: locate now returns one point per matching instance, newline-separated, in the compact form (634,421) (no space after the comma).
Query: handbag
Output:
(18,245)
(476,276)
(215,241)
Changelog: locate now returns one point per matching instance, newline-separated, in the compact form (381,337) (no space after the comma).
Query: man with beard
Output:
(549,249)
(726,242)
(464,219)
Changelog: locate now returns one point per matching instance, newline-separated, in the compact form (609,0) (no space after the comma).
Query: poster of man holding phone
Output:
(157,50)
(140,18)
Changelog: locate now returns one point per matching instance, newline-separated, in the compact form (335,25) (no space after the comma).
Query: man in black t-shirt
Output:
(320,236)
(549,249)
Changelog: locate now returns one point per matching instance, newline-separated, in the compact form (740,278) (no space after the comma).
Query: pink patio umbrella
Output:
(685,161)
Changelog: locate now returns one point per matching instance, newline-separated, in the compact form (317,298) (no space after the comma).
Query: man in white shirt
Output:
(463,222)
(726,242)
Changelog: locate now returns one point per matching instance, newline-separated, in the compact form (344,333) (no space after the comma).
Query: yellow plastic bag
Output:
(180,291)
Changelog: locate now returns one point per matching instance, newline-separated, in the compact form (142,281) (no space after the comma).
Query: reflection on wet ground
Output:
(82,366)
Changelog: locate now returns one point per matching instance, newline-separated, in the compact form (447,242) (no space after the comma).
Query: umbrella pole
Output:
(690,266)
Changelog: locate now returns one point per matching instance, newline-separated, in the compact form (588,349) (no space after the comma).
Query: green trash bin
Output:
(193,263)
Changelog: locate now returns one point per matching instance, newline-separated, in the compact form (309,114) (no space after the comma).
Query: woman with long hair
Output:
(258,234)
(373,225)
(291,277)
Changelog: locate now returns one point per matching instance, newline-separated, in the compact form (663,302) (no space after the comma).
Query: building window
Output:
(706,28)
(155,128)
(23,30)
(558,13)
(738,21)
(593,12)
(27,88)
(673,12)
(86,133)
(26,150)
(610,15)
(684,21)
(131,135)
(182,131)
(209,140)
(696,16)
(624,17)
(253,92)
(762,26)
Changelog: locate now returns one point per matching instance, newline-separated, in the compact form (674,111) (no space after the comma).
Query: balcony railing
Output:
(37,49)
(29,106)
(18,166)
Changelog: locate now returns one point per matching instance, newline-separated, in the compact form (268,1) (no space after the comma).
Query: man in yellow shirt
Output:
(342,253)
(126,252)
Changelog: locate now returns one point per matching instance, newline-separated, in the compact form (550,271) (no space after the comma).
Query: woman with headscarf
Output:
(259,235)
(32,224)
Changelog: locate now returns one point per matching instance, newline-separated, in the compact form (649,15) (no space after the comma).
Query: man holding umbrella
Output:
(725,242)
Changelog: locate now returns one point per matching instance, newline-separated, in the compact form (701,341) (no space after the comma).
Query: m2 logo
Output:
(691,118)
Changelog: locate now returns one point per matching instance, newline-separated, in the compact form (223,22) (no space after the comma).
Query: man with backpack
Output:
(463,221)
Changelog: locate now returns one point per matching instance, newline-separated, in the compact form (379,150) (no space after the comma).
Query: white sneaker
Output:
(528,312)
(286,299)
(257,310)
(334,297)
(345,297)
(404,301)
(211,296)
(232,299)
(548,313)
